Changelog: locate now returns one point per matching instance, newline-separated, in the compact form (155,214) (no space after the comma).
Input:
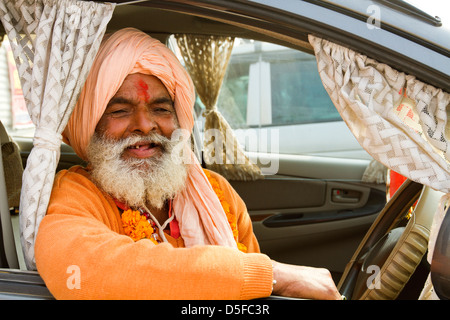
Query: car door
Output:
(314,211)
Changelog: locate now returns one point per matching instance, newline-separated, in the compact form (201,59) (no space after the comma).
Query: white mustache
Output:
(117,147)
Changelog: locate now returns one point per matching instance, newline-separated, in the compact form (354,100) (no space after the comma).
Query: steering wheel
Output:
(393,247)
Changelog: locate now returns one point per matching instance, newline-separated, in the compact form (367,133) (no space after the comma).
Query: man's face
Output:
(131,153)
(141,106)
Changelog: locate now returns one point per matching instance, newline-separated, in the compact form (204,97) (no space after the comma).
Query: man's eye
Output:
(162,110)
(118,111)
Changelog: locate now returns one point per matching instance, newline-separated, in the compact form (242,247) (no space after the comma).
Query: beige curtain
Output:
(402,122)
(206,59)
(375,173)
(54,43)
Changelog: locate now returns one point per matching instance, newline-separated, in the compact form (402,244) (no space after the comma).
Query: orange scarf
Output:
(201,218)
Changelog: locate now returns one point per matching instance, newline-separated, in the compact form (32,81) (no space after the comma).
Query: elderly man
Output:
(141,222)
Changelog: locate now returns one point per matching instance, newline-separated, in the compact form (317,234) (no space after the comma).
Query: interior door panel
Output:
(314,212)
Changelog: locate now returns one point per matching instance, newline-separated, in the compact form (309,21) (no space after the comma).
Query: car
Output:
(309,188)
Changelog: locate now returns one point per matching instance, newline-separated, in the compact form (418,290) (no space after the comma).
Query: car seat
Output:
(11,170)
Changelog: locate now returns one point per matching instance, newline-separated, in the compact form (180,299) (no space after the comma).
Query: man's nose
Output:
(143,121)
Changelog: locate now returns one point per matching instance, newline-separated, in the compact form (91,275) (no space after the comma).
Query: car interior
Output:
(315,211)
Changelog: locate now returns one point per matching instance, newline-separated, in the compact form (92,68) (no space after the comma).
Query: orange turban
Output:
(198,210)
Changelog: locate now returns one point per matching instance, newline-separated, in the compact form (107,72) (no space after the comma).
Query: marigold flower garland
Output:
(138,226)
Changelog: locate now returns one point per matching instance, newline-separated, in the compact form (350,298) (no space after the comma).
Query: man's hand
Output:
(304,282)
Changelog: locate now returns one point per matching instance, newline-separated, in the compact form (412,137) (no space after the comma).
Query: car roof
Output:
(401,17)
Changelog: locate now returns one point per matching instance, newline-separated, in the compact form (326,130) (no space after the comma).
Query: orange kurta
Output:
(81,239)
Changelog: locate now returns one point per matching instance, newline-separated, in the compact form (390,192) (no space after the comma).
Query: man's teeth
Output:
(151,145)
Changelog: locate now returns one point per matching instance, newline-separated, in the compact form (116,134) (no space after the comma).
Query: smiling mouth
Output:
(144,146)
(143,149)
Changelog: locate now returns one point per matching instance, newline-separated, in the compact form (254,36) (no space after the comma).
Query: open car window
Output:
(273,99)
(275,90)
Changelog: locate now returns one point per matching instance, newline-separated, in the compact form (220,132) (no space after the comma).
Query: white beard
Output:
(137,182)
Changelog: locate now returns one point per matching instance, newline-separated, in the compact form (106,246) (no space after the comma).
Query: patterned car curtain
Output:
(206,59)
(54,43)
(399,120)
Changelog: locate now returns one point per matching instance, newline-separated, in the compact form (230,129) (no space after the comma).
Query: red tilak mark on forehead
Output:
(142,89)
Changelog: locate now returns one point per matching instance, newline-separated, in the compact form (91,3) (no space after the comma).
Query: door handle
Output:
(345,196)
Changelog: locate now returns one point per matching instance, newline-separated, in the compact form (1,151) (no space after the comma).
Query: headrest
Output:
(12,167)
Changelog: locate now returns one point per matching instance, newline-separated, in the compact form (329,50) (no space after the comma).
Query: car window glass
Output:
(273,98)
(272,85)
